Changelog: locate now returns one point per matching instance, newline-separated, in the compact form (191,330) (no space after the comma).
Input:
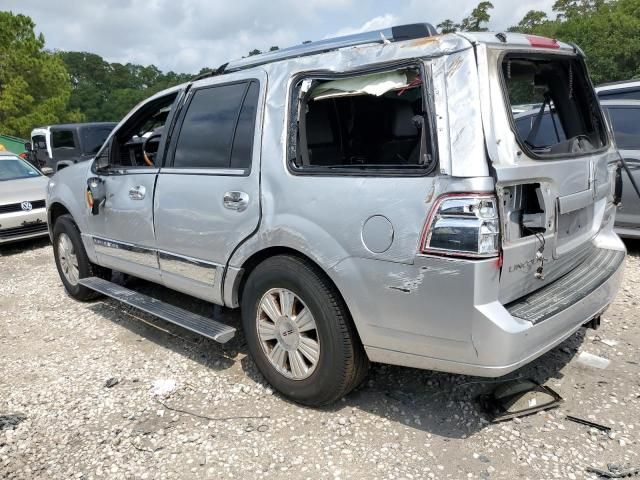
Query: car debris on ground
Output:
(56,355)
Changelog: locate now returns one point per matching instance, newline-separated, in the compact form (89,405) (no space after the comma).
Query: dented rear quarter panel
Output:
(323,216)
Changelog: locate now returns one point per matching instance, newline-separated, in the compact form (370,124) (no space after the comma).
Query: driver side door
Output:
(121,231)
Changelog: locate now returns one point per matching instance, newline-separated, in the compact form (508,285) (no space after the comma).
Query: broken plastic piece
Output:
(11,420)
(518,399)
(111,382)
(614,471)
(590,360)
(163,387)
(588,423)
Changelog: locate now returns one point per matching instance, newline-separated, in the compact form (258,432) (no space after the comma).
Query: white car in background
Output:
(23,189)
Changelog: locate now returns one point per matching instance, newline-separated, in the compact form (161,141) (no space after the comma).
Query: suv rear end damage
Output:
(557,263)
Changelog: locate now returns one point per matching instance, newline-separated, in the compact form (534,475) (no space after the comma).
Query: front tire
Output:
(72,261)
(300,333)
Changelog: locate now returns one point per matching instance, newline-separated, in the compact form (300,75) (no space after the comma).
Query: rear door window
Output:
(39,142)
(217,129)
(62,139)
(559,85)
(626,127)
(64,144)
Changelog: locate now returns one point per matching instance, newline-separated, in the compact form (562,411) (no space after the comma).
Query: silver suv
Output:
(365,198)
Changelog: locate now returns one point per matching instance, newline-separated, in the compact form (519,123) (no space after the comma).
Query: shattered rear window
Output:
(370,122)
(565,116)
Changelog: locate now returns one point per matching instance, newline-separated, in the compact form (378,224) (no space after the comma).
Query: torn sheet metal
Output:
(518,398)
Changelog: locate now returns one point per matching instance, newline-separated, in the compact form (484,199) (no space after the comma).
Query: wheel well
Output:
(55,211)
(257,258)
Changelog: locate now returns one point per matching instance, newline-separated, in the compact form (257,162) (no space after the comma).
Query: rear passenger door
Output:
(625,121)
(207,197)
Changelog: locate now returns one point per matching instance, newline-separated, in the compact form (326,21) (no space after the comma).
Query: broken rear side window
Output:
(562,115)
(367,123)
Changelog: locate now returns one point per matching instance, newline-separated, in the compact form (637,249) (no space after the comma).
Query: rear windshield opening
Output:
(553,106)
(374,122)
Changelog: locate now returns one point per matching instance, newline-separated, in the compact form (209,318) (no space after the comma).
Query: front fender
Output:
(68,189)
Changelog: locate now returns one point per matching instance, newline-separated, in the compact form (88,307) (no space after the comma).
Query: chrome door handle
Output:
(236,201)
(137,193)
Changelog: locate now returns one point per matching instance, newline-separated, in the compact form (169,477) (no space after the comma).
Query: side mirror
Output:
(96,194)
(28,147)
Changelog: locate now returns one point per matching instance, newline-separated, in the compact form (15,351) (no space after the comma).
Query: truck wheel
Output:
(72,261)
(300,333)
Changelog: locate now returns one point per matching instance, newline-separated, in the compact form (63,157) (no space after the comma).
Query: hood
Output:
(23,189)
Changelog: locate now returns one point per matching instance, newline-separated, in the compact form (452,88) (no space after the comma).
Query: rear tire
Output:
(72,261)
(300,333)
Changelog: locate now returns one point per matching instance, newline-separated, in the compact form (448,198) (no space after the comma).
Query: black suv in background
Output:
(57,146)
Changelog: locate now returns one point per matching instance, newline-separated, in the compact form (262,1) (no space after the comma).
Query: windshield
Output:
(14,169)
(93,138)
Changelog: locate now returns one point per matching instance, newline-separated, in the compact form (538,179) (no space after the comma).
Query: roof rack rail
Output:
(210,73)
(393,34)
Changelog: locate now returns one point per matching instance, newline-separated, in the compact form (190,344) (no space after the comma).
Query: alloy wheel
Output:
(288,333)
(68,259)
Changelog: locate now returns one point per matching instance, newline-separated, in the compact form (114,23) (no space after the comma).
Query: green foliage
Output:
(479,16)
(448,26)
(531,21)
(34,85)
(575,8)
(473,23)
(607,31)
(105,91)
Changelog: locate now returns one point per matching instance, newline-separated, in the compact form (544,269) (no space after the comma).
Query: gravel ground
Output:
(59,419)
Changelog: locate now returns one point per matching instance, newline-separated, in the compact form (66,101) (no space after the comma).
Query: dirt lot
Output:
(56,355)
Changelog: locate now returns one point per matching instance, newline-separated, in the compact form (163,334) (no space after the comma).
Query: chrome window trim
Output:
(131,171)
(229,172)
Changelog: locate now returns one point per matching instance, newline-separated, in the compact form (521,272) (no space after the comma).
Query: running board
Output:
(204,326)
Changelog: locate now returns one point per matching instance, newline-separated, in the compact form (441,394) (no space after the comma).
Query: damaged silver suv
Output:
(364,198)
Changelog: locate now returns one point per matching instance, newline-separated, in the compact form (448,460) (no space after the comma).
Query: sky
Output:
(187,35)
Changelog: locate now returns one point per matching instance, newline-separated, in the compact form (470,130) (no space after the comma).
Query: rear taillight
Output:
(463,225)
(24,155)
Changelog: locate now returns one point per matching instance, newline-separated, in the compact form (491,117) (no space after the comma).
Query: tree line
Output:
(41,87)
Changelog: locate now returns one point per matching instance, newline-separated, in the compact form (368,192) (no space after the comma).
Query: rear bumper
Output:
(445,315)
